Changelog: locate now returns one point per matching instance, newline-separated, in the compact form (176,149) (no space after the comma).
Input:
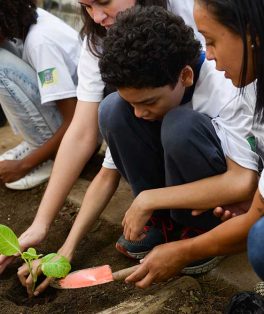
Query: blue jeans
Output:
(255,247)
(20,100)
(181,148)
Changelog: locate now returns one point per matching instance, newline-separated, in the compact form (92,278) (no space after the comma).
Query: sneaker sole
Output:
(133,255)
(24,188)
(203,268)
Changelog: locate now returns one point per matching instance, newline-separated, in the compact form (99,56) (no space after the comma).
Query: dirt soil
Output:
(17,209)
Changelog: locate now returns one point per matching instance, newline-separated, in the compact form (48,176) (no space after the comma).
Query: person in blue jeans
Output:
(174,130)
(38,77)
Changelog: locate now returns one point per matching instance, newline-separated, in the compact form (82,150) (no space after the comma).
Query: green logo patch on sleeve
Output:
(48,77)
(252,142)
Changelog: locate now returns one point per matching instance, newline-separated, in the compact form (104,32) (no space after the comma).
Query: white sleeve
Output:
(234,126)
(108,160)
(231,112)
(90,86)
(54,77)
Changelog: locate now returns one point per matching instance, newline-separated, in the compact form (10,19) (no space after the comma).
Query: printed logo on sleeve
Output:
(48,77)
(252,142)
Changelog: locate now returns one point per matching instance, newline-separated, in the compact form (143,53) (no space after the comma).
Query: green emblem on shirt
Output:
(252,142)
(48,77)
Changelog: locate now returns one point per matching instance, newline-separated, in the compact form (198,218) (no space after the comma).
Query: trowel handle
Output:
(123,273)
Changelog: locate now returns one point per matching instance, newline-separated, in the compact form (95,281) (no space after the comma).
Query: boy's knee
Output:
(112,111)
(179,127)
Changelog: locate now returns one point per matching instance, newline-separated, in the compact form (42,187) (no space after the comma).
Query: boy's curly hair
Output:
(147,47)
(16,17)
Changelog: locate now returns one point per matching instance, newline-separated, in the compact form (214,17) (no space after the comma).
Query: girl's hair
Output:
(16,17)
(245,17)
(95,32)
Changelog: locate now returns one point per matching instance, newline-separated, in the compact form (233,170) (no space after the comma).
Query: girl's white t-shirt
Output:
(91,87)
(53,49)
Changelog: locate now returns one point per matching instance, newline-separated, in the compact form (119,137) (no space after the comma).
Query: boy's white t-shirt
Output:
(231,113)
(91,87)
(53,49)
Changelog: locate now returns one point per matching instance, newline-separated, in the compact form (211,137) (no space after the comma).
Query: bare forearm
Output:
(49,149)
(45,152)
(206,193)
(76,148)
(228,238)
(64,174)
(96,199)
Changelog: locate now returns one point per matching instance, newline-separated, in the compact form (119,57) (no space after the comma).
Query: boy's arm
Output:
(96,198)
(237,184)
(169,259)
(12,170)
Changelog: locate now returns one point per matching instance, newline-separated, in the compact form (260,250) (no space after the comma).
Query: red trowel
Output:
(91,277)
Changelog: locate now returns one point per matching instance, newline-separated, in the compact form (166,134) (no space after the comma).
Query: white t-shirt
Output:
(53,48)
(184,8)
(232,115)
(258,132)
(91,86)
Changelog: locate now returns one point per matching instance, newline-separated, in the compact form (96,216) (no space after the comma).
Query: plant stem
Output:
(34,276)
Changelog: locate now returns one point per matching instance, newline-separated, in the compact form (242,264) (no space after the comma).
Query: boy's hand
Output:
(228,211)
(136,218)
(11,170)
(162,263)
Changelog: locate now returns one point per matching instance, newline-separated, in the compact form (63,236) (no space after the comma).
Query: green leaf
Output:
(54,265)
(8,241)
(31,254)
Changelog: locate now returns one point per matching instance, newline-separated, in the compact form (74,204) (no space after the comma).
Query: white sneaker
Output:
(18,152)
(36,177)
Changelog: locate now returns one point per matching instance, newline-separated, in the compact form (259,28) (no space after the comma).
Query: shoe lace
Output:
(191,232)
(21,149)
(165,224)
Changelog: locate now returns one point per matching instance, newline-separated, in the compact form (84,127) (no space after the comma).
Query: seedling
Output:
(52,265)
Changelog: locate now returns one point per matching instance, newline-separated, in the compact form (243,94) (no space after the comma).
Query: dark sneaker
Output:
(157,231)
(246,302)
(202,266)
